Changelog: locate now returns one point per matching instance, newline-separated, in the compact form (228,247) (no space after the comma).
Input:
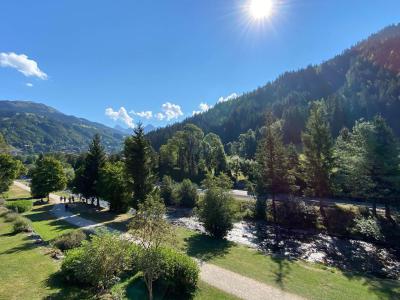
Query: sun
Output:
(260,9)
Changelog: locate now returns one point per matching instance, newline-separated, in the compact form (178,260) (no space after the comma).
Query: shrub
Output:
(20,206)
(367,228)
(294,213)
(216,212)
(3,211)
(22,224)
(168,191)
(2,202)
(70,240)
(98,262)
(187,194)
(340,218)
(10,216)
(180,275)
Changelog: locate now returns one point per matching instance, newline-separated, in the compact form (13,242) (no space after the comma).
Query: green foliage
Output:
(221,181)
(339,219)
(112,186)
(216,212)
(70,240)
(187,194)
(151,231)
(168,191)
(10,216)
(22,224)
(10,169)
(318,156)
(88,175)
(139,165)
(180,274)
(98,262)
(367,228)
(47,176)
(19,206)
(294,213)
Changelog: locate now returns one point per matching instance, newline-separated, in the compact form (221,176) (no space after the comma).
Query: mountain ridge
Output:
(358,83)
(35,127)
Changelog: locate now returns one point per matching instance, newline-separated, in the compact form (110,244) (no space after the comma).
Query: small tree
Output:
(216,212)
(10,169)
(221,181)
(112,186)
(187,194)
(152,231)
(47,176)
(167,190)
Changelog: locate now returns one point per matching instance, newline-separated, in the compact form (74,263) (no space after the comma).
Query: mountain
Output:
(33,127)
(359,83)
(128,131)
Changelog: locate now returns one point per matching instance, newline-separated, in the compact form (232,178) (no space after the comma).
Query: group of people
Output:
(70,199)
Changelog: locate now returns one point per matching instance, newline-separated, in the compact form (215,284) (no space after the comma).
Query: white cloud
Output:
(227,98)
(202,108)
(28,84)
(160,116)
(171,111)
(148,114)
(120,115)
(22,64)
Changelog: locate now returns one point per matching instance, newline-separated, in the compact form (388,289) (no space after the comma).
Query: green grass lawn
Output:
(309,280)
(26,272)
(312,281)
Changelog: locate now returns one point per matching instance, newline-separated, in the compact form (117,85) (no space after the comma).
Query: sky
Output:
(158,61)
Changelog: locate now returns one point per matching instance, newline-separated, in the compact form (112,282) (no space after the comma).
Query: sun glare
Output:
(260,9)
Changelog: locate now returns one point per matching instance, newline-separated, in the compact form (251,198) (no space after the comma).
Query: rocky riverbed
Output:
(346,254)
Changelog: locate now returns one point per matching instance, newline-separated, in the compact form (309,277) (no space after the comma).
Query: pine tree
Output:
(318,153)
(95,160)
(139,165)
(273,161)
(385,163)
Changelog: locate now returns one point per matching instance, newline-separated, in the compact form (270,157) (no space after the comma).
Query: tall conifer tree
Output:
(139,165)
(318,153)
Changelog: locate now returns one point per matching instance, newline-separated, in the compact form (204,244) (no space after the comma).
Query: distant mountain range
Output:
(128,131)
(33,127)
(359,83)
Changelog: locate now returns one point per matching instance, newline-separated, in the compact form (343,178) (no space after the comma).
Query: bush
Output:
(3,211)
(22,224)
(168,191)
(294,213)
(20,206)
(70,240)
(216,212)
(180,275)
(98,262)
(187,194)
(2,202)
(368,228)
(340,218)
(10,216)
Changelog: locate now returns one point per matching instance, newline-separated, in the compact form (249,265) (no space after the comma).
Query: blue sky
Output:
(95,57)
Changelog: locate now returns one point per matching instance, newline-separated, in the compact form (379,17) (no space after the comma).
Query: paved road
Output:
(225,280)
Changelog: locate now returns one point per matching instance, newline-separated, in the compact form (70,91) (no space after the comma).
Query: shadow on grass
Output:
(26,246)
(206,248)
(283,269)
(67,291)
(19,198)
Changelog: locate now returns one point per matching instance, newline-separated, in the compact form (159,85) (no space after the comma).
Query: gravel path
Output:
(227,281)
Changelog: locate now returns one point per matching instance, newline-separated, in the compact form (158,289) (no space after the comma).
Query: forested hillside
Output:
(33,127)
(359,83)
